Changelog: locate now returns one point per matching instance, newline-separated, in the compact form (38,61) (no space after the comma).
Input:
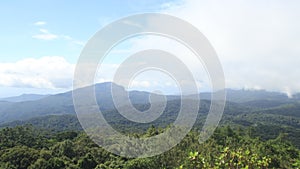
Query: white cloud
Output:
(47,72)
(160,80)
(45,35)
(143,84)
(72,40)
(257,41)
(40,23)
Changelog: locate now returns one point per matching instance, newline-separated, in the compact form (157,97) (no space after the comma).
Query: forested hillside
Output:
(266,123)
(261,130)
(26,147)
(61,104)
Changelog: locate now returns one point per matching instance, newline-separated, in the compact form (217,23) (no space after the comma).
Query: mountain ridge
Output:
(24,97)
(62,103)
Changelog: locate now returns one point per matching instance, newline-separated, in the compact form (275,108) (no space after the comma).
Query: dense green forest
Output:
(258,129)
(24,147)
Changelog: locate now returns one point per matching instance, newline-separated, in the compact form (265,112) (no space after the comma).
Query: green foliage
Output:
(66,135)
(18,157)
(145,163)
(264,132)
(227,148)
(26,136)
(64,148)
(87,162)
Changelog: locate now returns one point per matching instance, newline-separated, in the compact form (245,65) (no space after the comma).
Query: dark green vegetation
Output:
(26,147)
(266,123)
(264,132)
(63,103)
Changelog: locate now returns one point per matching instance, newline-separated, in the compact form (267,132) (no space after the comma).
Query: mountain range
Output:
(267,113)
(25,107)
(24,98)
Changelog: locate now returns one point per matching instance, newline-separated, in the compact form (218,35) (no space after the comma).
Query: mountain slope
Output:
(63,103)
(24,98)
(50,122)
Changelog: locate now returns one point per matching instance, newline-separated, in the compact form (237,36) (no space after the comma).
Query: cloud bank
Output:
(257,41)
(46,72)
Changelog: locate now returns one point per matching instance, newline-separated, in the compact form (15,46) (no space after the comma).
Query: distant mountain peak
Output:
(108,84)
(63,103)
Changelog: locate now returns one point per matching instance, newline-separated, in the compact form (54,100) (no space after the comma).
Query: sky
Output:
(258,42)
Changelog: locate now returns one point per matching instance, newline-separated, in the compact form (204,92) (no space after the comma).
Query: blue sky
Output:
(66,26)
(256,41)
(76,19)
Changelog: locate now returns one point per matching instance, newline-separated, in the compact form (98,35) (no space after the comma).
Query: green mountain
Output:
(63,103)
(268,113)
